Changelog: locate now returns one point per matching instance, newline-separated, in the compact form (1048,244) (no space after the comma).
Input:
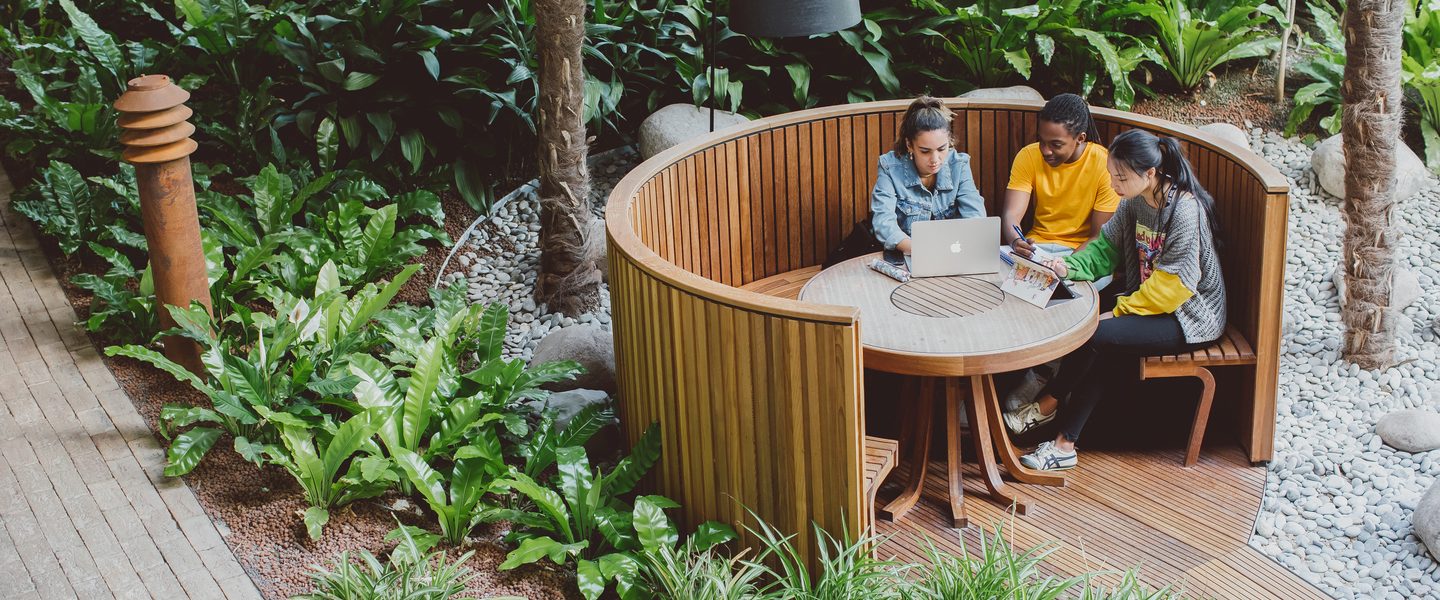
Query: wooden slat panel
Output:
(761,210)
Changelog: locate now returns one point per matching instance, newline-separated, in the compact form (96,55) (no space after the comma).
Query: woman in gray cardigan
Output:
(1161,246)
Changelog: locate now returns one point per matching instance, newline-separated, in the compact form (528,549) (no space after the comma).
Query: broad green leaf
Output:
(881,64)
(1312,93)
(800,76)
(428,481)
(160,362)
(545,499)
(490,333)
(193,12)
(332,70)
(1046,45)
(424,379)
(272,191)
(625,570)
(315,520)
(432,64)
(379,232)
(173,416)
(576,482)
(412,147)
(100,44)
(630,469)
(328,279)
(616,527)
(357,80)
(1020,60)
(327,145)
(652,527)
(348,439)
(533,549)
(589,579)
(711,533)
(188,448)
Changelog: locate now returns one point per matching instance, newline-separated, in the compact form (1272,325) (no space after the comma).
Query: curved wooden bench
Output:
(1230,350)
(880,457)
(759,396)
(785,285)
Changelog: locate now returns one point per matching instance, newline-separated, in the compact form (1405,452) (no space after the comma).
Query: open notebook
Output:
(1032,282)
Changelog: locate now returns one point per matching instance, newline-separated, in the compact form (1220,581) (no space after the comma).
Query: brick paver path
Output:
(85,511)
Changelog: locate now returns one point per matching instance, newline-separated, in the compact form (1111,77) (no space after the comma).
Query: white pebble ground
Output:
(1338,502)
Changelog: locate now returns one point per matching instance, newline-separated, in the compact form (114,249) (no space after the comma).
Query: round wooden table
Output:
(949,329)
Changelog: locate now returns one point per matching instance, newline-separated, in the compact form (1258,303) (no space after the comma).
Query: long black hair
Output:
(925,114)
(1141,150)
(1073,113)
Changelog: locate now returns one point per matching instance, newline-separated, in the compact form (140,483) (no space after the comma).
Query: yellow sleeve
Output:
(1106,200)
(1022,170)
(1161,294)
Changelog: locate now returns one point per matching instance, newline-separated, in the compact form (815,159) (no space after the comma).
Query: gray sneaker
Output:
(1047,457)
(1027,418)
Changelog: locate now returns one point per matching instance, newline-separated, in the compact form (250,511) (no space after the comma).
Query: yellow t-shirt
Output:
(1064,195)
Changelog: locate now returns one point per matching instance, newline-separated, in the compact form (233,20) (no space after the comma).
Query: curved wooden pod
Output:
(759,398)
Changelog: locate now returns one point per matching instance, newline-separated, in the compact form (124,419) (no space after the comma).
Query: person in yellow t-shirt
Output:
(1064,172)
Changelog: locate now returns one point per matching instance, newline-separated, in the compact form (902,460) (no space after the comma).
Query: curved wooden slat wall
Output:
(759,399)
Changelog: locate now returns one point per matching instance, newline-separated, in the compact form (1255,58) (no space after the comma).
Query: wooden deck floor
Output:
(1123,509)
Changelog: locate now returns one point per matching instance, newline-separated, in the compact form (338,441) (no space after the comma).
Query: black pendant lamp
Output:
(790,18)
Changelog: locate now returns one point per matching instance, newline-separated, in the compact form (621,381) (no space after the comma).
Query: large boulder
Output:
(606,442)
(1227,132)
(1411,430)
(1427,519)
(1404,287)
(569,403)
(678,123)
(592,347)
(1014,92)
(1328,161)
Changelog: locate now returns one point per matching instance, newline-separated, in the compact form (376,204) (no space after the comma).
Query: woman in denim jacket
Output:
(923,178)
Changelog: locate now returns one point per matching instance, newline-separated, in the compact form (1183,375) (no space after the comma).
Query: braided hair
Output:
(1073,113)
(925,114)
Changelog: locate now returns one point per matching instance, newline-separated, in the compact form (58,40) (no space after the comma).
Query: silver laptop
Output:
(954,247)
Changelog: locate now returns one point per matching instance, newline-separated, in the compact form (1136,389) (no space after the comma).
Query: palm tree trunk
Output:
(569,280)
(1371,126)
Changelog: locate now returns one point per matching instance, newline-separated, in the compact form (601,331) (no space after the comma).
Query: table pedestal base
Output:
(982,406)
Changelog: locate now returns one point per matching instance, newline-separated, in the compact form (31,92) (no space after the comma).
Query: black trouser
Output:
(1108,360)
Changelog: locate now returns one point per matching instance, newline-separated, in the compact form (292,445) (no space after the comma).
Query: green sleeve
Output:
(1095,261)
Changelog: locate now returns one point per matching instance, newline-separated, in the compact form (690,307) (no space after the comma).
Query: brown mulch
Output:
(458,216)
(1241,96)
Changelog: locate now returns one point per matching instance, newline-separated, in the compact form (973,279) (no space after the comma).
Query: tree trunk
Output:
(1371,126)
(569,280)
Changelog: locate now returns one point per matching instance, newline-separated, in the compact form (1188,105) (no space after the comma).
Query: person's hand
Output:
(904,246)
(1058,266)
(1022,247)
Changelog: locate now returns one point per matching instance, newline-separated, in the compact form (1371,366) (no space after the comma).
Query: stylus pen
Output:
(1021,234)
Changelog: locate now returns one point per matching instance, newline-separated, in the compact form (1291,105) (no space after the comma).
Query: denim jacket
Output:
(899,198)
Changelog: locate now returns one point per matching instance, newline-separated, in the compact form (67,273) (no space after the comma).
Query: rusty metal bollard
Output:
(157,141)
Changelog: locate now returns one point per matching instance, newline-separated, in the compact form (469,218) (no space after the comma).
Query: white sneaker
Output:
(1047,457)
(1026,392)
(1027,418)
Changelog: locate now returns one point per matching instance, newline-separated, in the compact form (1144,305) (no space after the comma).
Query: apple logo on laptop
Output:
(955,248)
